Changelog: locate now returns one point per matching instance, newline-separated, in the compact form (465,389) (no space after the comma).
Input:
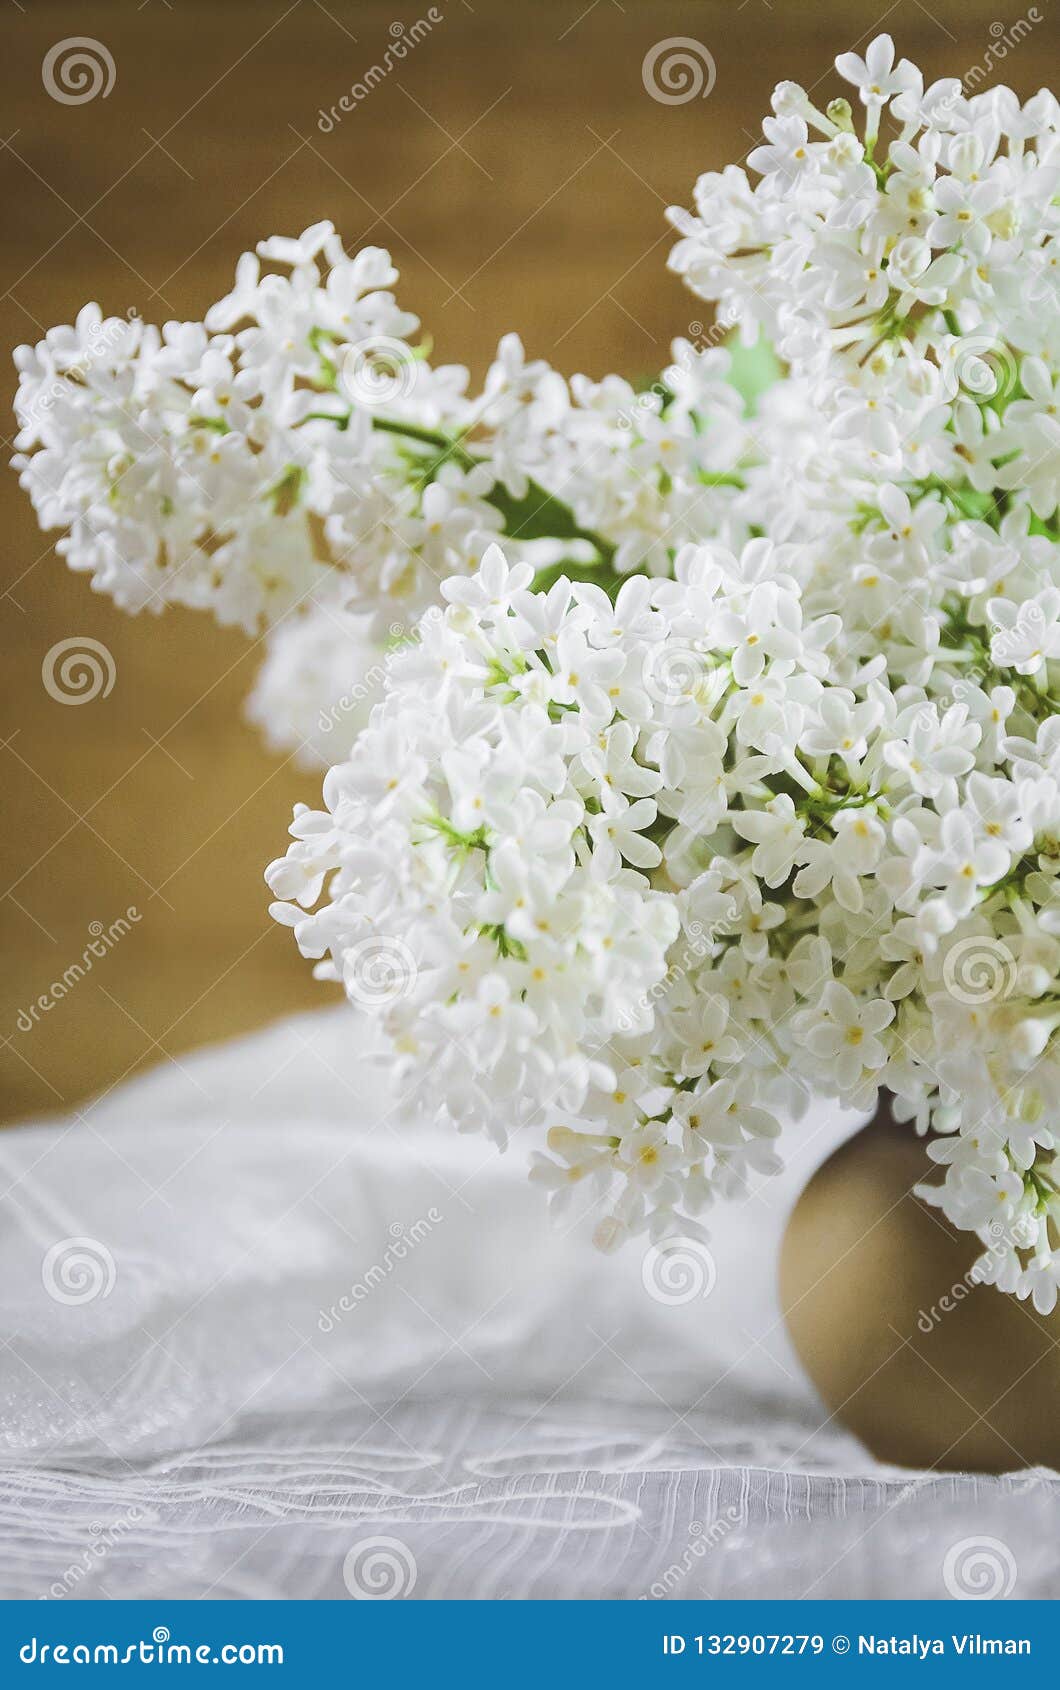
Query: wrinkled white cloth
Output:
(255,1321)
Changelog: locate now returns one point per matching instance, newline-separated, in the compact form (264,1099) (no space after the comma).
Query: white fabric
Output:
(189,1410)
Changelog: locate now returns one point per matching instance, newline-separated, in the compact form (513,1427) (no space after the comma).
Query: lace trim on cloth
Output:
(478,1508)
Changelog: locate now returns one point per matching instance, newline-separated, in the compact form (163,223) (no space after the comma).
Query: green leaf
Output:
(540,516)
(536,516)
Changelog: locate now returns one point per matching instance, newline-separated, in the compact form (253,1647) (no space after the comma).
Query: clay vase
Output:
(926,1367)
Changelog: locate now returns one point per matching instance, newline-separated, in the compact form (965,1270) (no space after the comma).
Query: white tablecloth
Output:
(255,1321)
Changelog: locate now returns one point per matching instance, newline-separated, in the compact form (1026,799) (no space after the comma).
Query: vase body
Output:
(926,1367)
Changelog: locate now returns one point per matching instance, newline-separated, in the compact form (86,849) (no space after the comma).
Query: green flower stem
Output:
(538,515)
(450,449)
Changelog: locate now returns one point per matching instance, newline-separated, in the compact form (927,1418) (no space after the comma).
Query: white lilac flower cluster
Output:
(313,694)
(296,456)
(747,788)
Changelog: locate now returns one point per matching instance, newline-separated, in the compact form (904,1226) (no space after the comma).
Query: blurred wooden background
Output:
(519,172)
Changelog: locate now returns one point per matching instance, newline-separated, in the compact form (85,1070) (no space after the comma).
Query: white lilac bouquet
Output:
(297,466)
(721,767)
